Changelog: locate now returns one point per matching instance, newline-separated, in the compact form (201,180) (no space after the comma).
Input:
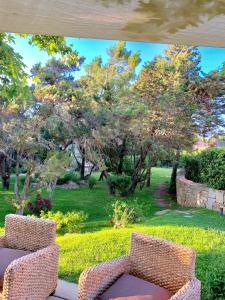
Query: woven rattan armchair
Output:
(160,262)
(34,276)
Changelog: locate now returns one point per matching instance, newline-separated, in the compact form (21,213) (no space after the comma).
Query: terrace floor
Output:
(65,290)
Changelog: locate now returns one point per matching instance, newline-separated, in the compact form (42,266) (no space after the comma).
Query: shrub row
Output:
(208,167)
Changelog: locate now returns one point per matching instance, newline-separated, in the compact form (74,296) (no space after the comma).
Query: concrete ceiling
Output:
(194,22)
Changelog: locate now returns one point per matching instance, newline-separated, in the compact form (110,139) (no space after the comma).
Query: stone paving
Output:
(65,290)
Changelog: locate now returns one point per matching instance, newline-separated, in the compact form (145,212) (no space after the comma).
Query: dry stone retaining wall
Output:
(194,194)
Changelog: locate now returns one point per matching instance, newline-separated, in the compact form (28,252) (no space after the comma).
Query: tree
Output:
(166,103)
(14,92)
(180,102)
(109,89)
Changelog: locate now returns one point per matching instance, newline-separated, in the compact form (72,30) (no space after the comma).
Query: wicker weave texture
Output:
(161,262)
(169,265)
(34,276)
(2,241)
(28,233)
(95,280)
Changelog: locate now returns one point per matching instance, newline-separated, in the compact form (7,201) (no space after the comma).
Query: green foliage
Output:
(118,183)
(51,44)
(192,168)
(12,72)
(92,182)
(212,171)
(128,165)
(68,176)
(204,231)
(66,223)
(207,167)
(124,214)
(55,165)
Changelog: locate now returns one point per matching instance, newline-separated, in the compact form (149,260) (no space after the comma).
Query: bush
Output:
(207,167)
(40,204)
(212,170)
(118,183)
(91,182)
(128,165)
(192,168)
(124,214)
(68,176)
(66,223)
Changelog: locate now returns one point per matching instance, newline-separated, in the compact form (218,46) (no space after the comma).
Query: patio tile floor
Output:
(65,290)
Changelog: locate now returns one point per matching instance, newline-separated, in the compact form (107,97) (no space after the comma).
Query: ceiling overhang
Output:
(163,21)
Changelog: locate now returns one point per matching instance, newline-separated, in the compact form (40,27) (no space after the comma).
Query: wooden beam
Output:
(162,21)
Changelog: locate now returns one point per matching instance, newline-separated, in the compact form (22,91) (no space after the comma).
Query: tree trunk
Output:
(149,174)
(5,171)
(20,210)
(104,174)
(82,167)
(17,181)
(89,174)
(121,157)
(5,183)
(172,188)
(21,197)
(51,189)
(139,165)
(173,178)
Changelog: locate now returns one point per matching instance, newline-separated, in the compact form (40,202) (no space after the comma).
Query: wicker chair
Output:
(33,276)
(160,262)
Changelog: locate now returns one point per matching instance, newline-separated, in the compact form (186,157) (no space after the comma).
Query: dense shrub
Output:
(192,168)
(212,171)
(208,167)
(128,165)
(118,183)
(123,213)
(91,182)
(40,204)
(66,223)
(68,176)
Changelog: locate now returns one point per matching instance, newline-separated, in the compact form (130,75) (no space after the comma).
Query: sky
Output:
(211,57)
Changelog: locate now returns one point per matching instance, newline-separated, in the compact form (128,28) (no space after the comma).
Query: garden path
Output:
(160,195)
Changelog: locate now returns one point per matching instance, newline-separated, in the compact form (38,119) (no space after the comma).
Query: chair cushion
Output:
(6,257)
(127,286)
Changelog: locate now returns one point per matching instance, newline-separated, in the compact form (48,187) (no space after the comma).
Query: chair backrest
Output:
(29,233)
(161,262)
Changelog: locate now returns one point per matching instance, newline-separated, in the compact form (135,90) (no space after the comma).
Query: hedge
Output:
(208,167)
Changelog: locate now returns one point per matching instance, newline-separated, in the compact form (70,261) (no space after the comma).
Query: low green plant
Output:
(66,223)
(68,176)
(118,183)
(91,182)
(123,214)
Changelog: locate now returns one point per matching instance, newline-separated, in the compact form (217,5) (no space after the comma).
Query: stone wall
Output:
(194,194)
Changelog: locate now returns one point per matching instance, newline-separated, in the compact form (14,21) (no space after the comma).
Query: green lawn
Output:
(203,230)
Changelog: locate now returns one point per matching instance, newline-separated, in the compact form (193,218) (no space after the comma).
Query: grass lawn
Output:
(202,230)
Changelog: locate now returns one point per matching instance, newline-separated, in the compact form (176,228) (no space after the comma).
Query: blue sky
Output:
(211,57)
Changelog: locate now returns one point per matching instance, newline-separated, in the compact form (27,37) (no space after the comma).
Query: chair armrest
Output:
(33,276)
(95,280)
(2,241)
(190,291)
